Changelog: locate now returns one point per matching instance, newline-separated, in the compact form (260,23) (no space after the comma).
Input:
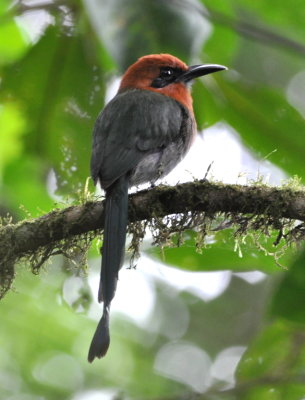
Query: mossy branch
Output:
(157,202)
(28,236)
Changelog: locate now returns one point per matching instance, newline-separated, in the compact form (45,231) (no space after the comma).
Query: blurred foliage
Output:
(57,59)
(290,293)
(224,251)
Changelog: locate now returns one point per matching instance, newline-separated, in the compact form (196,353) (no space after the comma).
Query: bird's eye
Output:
(167,73)
(166,76)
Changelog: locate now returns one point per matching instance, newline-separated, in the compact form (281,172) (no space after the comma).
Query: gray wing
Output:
(135,123)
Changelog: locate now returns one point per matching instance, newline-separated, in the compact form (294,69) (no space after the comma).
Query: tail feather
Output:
(101,338)
(116,210)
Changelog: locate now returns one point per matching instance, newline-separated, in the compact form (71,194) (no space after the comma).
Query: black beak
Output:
(199,70)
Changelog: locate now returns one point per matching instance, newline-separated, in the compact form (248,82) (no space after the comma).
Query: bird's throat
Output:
(177,91)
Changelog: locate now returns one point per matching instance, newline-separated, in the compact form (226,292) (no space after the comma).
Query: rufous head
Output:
(165,74)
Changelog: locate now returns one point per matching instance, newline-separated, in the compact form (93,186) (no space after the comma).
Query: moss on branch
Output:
(186,206)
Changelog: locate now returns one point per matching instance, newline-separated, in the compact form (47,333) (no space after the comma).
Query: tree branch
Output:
(200,196)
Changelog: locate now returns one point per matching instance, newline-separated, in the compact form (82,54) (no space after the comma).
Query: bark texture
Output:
(29,235)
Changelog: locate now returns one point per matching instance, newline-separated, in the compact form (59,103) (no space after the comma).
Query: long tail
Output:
(116,210)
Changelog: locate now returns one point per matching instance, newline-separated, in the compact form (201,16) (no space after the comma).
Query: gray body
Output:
(140,133)
(140,136)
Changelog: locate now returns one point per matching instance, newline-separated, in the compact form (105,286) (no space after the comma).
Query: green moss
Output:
(168,231)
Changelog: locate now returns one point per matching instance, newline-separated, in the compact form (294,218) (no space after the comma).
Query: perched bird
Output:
(140,136)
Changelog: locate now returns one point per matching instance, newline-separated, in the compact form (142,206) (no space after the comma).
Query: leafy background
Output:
(57,59)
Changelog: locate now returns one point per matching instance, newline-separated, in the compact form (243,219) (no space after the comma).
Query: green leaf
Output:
(274,364)
(61,89)
(289,299)
(12,124)
(13,45)
(132,29)
(271,13)
(266,123)
(4,5)
(206,107)
(25,187)
(220,254)
(223,43)
(258,361)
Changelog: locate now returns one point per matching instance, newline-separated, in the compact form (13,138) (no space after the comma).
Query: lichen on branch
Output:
(167,210)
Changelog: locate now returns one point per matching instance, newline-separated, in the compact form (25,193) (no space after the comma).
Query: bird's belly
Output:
(158,164)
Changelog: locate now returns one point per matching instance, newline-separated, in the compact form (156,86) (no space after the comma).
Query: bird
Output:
(139,137)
